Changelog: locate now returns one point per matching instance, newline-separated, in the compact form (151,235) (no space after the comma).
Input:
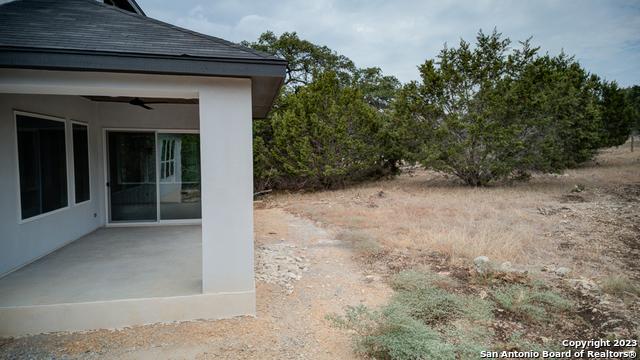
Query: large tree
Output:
(304,59)
(304,142)
(487,111)
(324,135)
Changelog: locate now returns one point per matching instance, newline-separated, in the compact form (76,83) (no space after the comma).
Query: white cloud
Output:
(399,35)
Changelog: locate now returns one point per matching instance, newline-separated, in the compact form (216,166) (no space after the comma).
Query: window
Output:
(42,165)
(81,162)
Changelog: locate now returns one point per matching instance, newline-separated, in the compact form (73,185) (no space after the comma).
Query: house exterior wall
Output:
(23,242)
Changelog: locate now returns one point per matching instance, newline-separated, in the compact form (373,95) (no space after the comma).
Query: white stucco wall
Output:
(227,187)
(21,243)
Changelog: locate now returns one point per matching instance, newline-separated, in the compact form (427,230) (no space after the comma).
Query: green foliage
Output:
(469,341)
(391,333)
(324,135)
(632,95)
(488,112)
(328,126)
(530,303)
(304,59)
(409,327)
(562,102)
(428,298)
(431,305)
(617,115)
(379,90)
(483,112)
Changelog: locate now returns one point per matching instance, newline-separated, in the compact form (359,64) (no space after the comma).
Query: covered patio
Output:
(142,245)
(112,263)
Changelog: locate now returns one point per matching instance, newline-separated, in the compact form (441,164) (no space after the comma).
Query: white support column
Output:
(227,189)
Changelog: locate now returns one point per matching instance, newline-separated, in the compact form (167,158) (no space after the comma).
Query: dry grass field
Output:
(579,219)
(564,254)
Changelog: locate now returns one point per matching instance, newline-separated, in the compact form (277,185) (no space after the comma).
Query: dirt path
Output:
(287,326)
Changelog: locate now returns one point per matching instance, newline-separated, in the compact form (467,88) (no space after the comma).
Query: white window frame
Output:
(17,157)
(73,160)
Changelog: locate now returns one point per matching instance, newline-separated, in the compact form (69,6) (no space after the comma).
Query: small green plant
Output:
(431,305)
(425,295)
(390,333)
(477,310)
(469,339)
(619,286)
(530,303)
(409,327)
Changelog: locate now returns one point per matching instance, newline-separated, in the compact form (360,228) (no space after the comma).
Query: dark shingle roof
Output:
(87,25)
(79,35)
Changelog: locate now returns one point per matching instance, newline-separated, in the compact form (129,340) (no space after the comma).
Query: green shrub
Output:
(404,329)
(469,340)
(324,135)
(530,303)
(391,333)
(426,297)
(477,310)
(431,305)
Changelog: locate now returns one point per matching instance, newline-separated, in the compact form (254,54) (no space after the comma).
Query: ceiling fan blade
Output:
(139,102)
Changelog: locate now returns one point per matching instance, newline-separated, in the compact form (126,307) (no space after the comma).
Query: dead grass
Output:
(434,212)
(620,286)
(456,221)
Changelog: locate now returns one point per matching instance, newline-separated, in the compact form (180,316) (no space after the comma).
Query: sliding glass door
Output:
(153,176)
(132,176)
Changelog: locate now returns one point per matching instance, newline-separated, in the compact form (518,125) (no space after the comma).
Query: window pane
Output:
(81,162)
(180,176)
(42,165)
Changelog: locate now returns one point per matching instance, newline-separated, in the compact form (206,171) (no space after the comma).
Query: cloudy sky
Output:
(398,35)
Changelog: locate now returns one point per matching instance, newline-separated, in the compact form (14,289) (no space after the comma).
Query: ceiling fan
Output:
(139,102)
(142,102)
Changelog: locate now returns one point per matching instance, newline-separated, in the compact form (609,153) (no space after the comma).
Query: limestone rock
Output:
(482,264)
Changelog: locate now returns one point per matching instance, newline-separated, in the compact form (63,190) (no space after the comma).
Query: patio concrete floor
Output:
(109,264)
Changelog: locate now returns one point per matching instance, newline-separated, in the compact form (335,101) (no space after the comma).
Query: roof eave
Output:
(264,73)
